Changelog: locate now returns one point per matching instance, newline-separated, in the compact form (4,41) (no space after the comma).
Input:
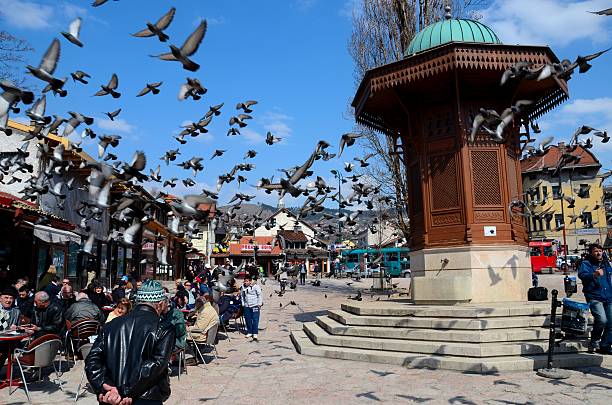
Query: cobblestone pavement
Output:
(271,372)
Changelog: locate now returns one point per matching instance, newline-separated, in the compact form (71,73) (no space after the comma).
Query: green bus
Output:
(395,260)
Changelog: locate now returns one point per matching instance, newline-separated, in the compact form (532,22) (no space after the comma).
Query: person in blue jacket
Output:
(596,275)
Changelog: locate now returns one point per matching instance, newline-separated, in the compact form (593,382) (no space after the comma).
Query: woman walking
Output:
(252,300)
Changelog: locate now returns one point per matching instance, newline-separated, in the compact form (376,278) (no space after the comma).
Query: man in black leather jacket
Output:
(48,316)
(128,362)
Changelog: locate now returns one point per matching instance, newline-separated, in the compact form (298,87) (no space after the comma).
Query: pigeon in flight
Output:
(79,76)
(110,88)
(271,139)
(73,32)
(189,48)
(347,140)
(112,115)
(158,27)
(150,88)
(607,11)
(47,66)
(246,106)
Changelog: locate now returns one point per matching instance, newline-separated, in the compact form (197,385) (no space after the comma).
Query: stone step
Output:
(334,327)
(389,308)
(348,318)
(306,347)
(320,337)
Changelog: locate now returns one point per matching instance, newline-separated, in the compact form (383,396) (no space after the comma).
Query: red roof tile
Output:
(551,157)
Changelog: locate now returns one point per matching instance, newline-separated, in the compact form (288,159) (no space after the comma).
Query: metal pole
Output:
(563,217)
(549,371)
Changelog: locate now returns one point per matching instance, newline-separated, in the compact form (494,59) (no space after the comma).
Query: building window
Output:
(558,220)
(588,219)
(548,220)
(587,190)
(556,192)
(536,195)
(534,222)
(272,222)
(544,192)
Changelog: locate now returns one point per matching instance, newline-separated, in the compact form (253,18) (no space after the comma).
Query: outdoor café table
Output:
(10,340)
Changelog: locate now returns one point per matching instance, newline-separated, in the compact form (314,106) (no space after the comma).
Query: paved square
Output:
(271,372)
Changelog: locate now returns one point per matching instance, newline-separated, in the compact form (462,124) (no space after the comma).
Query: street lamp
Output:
(339,176)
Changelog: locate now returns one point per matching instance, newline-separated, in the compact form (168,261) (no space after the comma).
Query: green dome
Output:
(451,30)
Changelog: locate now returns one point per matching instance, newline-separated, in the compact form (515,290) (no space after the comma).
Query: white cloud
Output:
(25,14)
(252,136)
(118,125)
(276,123)
(596,113)
(546,22)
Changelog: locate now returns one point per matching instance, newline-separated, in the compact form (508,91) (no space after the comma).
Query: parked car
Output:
(571,260)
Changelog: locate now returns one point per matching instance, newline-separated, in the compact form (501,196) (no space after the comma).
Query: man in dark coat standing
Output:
(128,363)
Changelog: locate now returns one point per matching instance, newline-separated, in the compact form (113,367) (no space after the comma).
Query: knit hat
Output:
(151,291)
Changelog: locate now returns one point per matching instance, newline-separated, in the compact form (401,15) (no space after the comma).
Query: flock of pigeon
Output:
(108,172)
(494,124)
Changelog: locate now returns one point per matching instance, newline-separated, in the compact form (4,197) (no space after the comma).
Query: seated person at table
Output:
(48,317)
(9,315)
(83,308)
(174,316)
(95,291)
(66,297)
(192,295)
(229,304)
(25,303)
(181,299)
(206,316)
(119,292)
(124,306)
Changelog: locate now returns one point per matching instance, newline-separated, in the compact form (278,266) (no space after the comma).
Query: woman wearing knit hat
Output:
(130,356)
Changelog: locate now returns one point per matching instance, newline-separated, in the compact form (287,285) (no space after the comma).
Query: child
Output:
(252,300)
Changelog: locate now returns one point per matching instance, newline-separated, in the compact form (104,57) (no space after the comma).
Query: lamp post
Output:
(339,176)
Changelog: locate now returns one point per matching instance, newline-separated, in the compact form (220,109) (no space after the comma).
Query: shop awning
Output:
(52,235)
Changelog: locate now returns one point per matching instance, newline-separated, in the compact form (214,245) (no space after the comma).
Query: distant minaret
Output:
(281,203)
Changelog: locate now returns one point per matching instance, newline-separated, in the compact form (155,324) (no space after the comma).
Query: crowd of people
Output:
(139,320)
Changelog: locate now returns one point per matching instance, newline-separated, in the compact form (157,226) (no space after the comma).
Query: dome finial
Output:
(448,14)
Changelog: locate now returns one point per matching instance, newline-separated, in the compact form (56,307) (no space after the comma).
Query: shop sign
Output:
(260,248)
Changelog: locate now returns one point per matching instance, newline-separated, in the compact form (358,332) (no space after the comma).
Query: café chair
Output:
(40,353)
(211,337)
(84,349)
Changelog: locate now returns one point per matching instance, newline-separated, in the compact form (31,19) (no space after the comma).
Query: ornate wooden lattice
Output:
(444,192)
(485,178)
(438,123)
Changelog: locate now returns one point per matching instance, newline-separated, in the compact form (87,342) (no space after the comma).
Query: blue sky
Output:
(290,55)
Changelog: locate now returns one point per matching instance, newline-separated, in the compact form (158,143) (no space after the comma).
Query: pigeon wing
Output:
(114,82)
(166,19)
(139,161)
(143,33)
(193,41)
(75,27)
(49,60)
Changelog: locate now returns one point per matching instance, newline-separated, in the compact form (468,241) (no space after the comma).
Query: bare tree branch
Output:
(382,31)
(12,54)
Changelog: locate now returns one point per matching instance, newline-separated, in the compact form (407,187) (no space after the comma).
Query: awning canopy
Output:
(52,235)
